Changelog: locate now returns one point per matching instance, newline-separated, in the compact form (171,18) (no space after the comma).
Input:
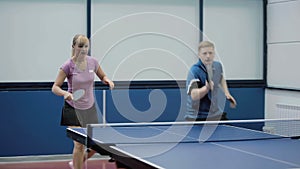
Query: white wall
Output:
(145,40)
(283,44)
(236,27)
(36,37)
(133,40)
(283,59)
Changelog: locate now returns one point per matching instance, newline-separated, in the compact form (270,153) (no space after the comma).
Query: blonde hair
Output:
(205,44)
(80,40)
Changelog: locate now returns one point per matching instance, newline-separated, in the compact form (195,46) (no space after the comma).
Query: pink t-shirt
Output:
(81,79)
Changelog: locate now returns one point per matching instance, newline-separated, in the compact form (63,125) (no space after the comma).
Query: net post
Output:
(104,107)
(88,141)
(89,130)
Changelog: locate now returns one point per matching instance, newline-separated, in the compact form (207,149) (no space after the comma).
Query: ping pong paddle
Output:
(209,70)
(78,94)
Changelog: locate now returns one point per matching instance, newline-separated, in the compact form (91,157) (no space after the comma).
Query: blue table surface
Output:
(264,154)
(175,133)
(212,146)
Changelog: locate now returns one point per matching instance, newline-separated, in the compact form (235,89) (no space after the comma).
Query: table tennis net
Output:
(181,132)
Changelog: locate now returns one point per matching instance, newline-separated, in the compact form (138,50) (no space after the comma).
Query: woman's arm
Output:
(56,88)
(100,73)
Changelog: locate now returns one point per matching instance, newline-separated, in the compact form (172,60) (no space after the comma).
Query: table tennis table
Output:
(191,146)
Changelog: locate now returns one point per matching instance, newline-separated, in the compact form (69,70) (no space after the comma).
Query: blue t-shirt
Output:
(213,103)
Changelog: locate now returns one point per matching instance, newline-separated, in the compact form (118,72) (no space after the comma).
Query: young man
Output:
(206,87)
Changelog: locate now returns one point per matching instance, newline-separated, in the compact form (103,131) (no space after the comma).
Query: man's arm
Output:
(196,91)
(227,93)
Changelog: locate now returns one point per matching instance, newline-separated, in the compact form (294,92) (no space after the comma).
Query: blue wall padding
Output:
(30,120)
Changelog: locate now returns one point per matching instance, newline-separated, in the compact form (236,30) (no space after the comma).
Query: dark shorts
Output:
(223,116)
(76,117)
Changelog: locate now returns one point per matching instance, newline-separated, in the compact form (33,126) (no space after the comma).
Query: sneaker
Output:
(71,165)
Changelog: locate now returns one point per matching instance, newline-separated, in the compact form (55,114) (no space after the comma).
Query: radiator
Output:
(284,127)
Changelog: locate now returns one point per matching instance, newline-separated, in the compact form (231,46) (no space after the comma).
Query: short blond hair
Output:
(205,44)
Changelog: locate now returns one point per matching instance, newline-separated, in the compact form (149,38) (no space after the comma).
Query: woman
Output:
(78,112)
